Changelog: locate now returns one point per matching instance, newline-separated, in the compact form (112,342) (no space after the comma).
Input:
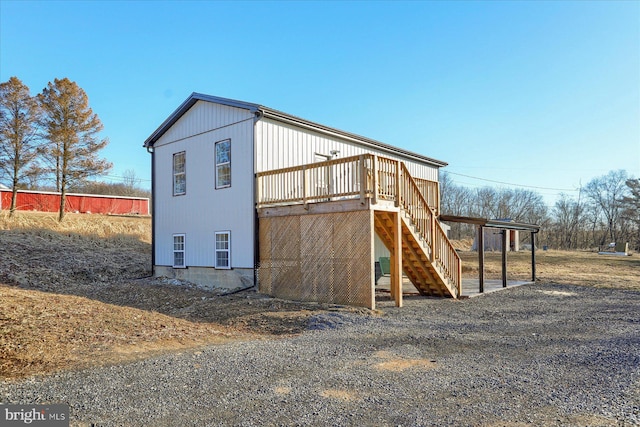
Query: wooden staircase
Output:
(428,258)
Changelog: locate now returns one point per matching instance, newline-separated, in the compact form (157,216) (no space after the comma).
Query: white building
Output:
(205,158)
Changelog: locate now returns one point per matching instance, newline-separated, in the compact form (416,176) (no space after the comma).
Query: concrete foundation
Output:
(208,277)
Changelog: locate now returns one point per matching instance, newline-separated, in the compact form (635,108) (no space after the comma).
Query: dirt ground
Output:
(79,294)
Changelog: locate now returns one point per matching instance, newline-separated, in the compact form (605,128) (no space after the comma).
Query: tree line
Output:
(52,141)
(606,210)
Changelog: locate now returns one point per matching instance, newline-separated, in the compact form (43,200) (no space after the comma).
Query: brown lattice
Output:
(318,257)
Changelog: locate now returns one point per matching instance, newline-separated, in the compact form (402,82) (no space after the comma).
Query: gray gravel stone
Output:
(545,355)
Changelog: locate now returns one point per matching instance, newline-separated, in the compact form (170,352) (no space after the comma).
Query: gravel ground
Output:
(544,355)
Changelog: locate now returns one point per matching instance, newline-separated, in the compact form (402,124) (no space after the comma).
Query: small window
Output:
(178,250)
(223,249)
(223,164)
(179,174)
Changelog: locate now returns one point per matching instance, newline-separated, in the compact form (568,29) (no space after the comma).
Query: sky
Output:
(540,95)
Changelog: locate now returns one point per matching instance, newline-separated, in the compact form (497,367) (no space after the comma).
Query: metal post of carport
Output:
(533,256)
(504,258)
(480,258)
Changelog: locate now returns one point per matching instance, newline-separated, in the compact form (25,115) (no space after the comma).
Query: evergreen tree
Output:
(19,115)
(72,130)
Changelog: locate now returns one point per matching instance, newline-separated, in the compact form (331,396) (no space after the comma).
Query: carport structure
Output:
(504,227)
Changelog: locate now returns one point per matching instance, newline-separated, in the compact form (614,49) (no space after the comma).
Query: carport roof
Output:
(493,223)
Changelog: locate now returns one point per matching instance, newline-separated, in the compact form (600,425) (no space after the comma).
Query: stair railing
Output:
(440,250)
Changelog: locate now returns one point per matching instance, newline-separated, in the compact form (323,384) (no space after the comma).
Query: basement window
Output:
(223,249)
(178,250)
(179,174)
(223,164)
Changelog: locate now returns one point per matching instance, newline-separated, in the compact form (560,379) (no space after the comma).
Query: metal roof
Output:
(261,110)
(492,223)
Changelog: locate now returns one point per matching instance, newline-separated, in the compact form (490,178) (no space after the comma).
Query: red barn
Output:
(49,201)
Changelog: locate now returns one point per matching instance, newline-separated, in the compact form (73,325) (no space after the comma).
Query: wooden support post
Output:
(437,209)
(397,189)
(432,226)
(396,279)
(305,186)
(460,278)
(533,256)
(392,275)
(259,180)
(374,183)
(362,174)
(480,259)
(504,258)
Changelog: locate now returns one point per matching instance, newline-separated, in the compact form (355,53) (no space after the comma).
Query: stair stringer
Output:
(423,273)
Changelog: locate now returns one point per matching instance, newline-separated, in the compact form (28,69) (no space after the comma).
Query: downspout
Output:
(256,222)
(150,150)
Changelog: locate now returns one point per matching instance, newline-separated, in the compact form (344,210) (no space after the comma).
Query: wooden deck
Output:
(305,202)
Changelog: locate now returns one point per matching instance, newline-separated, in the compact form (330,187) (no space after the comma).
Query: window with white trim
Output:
(179,174)
(223,164)
(178,250)
(223,249)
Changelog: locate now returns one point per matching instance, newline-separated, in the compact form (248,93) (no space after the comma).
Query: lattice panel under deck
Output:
(319,257)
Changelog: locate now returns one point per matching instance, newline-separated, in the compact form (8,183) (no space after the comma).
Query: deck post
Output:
(258,190)
(396,278)
(504,258)
(305,185)
(480,259)
(374,184)
(533,256)
(397,189)
(392,275)
(361,177)
(432,230)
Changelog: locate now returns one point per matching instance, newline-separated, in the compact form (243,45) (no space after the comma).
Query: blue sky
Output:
(534,94)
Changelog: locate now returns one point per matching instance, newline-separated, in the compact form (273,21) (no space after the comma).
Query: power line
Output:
(512,184)
(123,178)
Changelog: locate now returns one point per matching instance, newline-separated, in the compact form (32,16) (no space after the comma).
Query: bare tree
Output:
(72,130)
(130,181)
(486,203)
(456,200)
(631,210)
(568,217)
(19,116)
(606,194)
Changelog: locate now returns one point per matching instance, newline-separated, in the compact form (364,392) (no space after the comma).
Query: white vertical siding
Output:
(280,145)
(203,210)
(203,117)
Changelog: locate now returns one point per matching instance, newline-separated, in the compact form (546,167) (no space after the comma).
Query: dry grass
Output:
(43,332)
(52,322)
(101,226)
(570,267)
(77,294)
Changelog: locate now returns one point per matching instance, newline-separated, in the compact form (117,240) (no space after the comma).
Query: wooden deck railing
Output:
(343,178)
(361,177)
(348,177)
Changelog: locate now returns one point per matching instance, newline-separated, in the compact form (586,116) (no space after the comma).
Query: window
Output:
(178,250)
(179,174)
(223,164)
(223,249)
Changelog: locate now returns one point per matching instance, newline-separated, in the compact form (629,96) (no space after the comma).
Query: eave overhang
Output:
(270,113)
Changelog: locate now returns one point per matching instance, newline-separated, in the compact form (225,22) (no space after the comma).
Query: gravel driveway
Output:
(531,355)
